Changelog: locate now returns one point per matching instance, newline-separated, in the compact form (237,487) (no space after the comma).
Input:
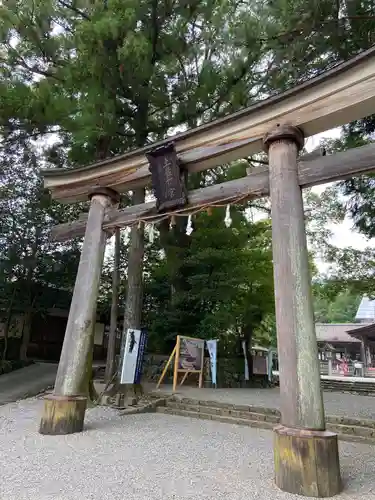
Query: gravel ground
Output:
(150,456)
(336,403)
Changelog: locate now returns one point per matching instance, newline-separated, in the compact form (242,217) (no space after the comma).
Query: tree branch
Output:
(34,69)
(155,32)
(74,9)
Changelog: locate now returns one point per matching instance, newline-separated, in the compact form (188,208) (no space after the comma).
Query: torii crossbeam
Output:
(306,455)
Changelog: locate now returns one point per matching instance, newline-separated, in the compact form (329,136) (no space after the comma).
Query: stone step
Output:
(357,387)
(350,391)
(352,430)
(348,429)
(364,391)
(258,413)
(349,384)
(350,421)
(345,383)
(261,424)
(354,386)
(228,406)
(248,413)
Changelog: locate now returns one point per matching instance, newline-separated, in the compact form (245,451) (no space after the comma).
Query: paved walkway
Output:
(27,381)
(336,403)
(151,457)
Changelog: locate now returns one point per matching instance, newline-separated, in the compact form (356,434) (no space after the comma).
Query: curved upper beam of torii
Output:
(336,97)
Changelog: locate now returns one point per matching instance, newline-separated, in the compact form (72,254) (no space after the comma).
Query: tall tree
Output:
(99,78)
(108,76)
(335,304)
(28,259)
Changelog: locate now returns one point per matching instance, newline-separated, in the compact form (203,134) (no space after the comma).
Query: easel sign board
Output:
(188,355)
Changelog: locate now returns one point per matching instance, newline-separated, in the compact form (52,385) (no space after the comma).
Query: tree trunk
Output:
(248,336)
(26,331)
(6,336)
(134,296)
(174,242)
(7,324)
(111,349)
(133,305)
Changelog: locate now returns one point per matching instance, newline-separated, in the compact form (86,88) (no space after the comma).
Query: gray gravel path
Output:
(150,456)
(335,403)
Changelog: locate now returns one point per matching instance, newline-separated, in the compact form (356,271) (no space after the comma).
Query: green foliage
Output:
(221,282)
(29,262)
(334,306)
(89,80)
(110,75)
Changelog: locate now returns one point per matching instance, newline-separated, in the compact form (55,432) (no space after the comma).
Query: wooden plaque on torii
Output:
(167,178)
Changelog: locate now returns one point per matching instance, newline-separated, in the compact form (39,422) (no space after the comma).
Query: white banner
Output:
(129,362)
(247,377)
(212,350)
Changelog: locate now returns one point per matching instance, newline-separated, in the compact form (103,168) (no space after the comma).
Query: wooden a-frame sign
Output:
(179,367)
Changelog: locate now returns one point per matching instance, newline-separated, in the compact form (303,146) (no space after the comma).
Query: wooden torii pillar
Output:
(306,455)
(64,410)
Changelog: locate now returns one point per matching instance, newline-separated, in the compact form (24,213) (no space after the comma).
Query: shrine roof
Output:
(364,332)
(336,332)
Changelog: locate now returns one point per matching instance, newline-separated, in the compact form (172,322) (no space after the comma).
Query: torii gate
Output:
(306,455)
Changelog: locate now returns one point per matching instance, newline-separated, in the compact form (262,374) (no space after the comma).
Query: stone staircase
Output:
(357,387)
(348,429)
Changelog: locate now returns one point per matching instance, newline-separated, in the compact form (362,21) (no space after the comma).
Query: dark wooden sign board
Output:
(167,178)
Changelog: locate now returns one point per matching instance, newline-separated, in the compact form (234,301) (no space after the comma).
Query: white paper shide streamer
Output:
(228,219)
(151,233)
(189,226)
(172,222)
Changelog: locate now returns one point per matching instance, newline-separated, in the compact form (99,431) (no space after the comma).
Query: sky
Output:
(343,234)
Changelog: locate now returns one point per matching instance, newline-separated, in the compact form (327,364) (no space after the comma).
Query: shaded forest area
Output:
(85,80)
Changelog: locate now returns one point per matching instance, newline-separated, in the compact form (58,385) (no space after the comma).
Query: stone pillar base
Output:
(63,414)
(307,462)
(128,394)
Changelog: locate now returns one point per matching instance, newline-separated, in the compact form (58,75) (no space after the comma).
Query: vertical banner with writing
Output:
(141,354)
(247,377)
(130,356)
(212,350)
